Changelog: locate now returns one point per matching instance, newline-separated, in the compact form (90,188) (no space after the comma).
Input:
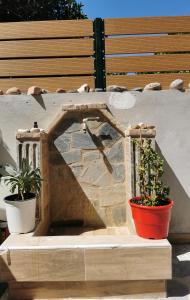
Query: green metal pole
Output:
(99,53)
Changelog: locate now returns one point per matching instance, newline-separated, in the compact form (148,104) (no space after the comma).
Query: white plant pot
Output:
(20,214)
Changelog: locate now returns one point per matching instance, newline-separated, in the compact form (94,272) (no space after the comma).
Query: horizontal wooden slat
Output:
(48,83)
(54,66)
(152,63)
(141,80)
(172,43)
(46,29)
(147,25)
(45,48)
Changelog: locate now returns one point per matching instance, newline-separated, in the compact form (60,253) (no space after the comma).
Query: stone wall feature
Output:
(119,215)
(108,135)
(72,156)
(118,173)
(91,155)
(62,143)
(87,170)
(81,140)
(113,195)
(116,153)
(93,171)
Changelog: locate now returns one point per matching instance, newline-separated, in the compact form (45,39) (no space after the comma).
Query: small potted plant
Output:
(151,210)
(21,206)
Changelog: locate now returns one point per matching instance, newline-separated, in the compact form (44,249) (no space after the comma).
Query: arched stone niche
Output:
(87,169)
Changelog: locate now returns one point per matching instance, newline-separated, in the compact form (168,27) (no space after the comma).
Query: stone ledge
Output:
(144,133)
(29,136)
(83,107)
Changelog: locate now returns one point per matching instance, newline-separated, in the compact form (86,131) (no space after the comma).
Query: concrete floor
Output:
(179,286)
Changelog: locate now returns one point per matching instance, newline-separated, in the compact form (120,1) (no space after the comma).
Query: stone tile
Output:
(76,169)
(81,140)
(93,172)
(94,124)
(91,192)
(91,155)
(74,126)
(118,173)
(65,265)
(119,215)
(108,134)
(72,156)
(116,153)
(104,180)
(113,195)
(62,143)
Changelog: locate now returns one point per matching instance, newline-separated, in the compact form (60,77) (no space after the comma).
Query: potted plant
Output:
(151,210)
(21,206)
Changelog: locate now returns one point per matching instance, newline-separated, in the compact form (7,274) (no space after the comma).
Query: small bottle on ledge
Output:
(35,129)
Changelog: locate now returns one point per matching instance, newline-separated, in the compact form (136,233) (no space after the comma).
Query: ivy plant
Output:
(150,171)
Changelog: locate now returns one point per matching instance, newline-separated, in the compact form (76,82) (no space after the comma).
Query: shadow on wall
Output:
(68,201)
(181,210)
(5,157)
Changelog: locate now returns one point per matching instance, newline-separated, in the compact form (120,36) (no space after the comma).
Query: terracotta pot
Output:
(151,222)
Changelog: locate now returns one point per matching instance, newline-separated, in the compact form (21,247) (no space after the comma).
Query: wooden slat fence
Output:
(56,54)
(143,50)
(51,54)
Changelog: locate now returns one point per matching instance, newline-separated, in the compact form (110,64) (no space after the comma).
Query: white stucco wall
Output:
(169,111)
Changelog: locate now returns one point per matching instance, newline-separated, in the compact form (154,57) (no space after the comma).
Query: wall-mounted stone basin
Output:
(83,245)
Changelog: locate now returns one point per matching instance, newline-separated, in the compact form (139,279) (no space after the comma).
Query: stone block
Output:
(34,90)
(13,91)
(91,155)
(119,215)
(81,140)
(77,169)
(105,180)
(108,135)
(113,195)
(116,153)
(73,126)
(62,143)
(118,173)
(93,172)
(94,124)
(72,156)
(91,192)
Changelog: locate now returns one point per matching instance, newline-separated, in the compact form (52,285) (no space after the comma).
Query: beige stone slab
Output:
(88,290)
(61,265)
(15,241)
(19,265)
(145,133)
(128,264)
(81,107)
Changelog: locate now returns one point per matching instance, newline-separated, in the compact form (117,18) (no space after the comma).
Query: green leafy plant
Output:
(23,181)
(150,171)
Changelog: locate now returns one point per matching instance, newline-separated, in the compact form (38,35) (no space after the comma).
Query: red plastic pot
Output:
(151,222)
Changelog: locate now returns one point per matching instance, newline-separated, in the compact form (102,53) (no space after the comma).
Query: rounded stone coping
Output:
(79,242)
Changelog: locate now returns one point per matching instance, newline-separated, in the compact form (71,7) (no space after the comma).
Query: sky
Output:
(135,8)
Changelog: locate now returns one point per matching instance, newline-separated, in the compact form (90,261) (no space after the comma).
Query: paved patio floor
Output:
(179,286)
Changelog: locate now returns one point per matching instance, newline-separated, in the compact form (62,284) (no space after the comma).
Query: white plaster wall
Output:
(169,111)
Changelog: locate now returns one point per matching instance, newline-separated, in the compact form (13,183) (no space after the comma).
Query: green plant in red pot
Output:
(151,210)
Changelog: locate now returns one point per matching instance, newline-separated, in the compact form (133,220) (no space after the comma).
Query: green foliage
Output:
(150,171)
(23,181)
(38,10)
